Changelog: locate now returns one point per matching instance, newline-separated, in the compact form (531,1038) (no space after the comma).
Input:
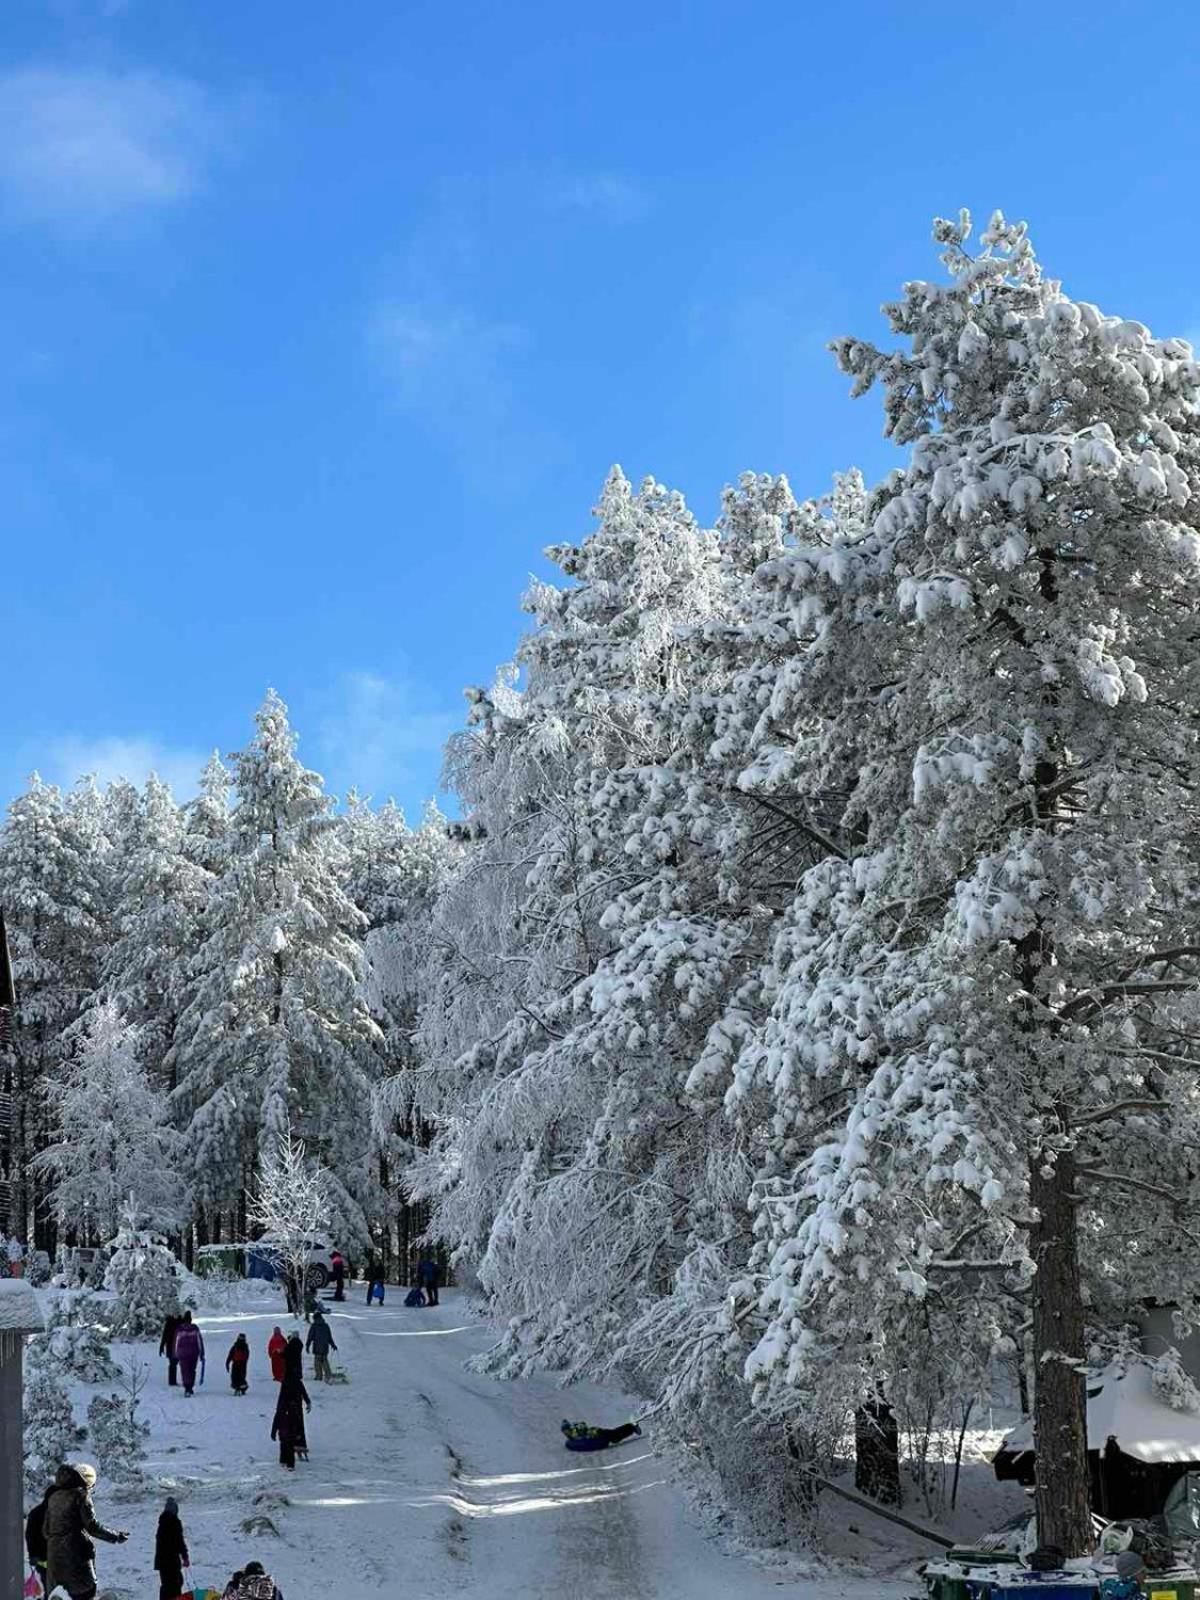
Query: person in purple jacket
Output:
(189,1352)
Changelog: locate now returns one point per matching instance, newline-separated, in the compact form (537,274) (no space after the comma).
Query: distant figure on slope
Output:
(189,1352)
(374,1280)
(338,1263)
(70,1528)
(252,1583)
(288,1425)
(166,1347)
(236,1363)
(170,1552)
(275,1349)
(320,1342)
(427,1278)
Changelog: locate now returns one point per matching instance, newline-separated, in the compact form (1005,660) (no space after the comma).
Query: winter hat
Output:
(1129,1564)
(84,1470)
(171,1507)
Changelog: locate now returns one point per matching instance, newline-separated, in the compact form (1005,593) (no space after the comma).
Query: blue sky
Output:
(319,321)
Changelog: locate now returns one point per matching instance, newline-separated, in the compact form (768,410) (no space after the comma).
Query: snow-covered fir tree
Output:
(51,1432)
(146,1281)
(277,1034)
(114,1153)
(50,887)
(76,1337)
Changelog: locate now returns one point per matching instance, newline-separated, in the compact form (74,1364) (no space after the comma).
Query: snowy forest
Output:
(798,1021)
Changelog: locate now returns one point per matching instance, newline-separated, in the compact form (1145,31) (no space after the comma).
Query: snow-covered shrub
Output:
(37,1268)
(146,1280)
(118,1434)
(50,1431)
(1172,1384)
(76,1339)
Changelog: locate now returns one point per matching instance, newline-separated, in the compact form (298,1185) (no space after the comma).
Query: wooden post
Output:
(19,1317)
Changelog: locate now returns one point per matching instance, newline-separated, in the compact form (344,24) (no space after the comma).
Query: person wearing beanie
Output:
(170,1552)
(1126,1585)
(70,1527)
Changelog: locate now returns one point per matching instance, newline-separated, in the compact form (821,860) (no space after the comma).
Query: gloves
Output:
(122,1538)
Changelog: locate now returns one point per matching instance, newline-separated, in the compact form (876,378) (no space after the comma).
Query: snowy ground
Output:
(425,1478)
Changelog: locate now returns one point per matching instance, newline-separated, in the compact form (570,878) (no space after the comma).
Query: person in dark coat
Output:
(35,1538)
(236,1363)
(189,1352)
(427,1279)
(319,1343)
(170,1552)
(276,1348)
(338,1263)
(374,1276)
(166,1347)
(288,1425)
(70,1527)
(293,1358)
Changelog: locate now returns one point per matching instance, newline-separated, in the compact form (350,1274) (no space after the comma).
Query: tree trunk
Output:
(877,1452)
(1060,1394)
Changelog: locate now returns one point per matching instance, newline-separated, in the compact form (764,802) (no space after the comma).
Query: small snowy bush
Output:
(146,1280)
(75,1337)
(118,1434)
(50,1431)
(1171,1384)
(37,1268)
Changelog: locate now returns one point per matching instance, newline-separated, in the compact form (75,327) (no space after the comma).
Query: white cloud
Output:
(605,195)
(111,757)
(80,147)
(446,361)
(383,737)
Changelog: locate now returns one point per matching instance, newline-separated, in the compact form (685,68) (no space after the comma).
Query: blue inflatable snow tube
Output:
(587,1444)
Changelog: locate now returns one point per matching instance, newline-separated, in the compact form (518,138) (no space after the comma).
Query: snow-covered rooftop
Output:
(19,1310)
(1124,1407)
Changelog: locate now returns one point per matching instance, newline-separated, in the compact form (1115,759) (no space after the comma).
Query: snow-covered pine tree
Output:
(114,1153)
(51,1433)
(982,1001)
(50,887)
(145,1279)
(277,1035)
(76,1337)
(161,893)
(117,1431)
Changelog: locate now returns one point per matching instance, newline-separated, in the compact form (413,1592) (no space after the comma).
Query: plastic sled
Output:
(588,1444)
(414,1297)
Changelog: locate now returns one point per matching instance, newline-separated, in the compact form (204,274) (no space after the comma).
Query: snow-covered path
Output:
(426,1478)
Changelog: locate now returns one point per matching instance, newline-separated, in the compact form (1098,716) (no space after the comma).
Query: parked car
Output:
(320,1266)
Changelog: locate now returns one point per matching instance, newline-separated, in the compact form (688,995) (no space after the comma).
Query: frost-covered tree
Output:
(146,1281)
(50,887)
(160,896)
(277,1035)
(76,1337)
(981,1001)
(51,1433)
(117,1431)
(114,1153)
(290,1204)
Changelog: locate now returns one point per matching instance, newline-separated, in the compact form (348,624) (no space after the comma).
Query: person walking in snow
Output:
(319,1343)
(338,1263)
(166,1347)
(70,1527)
(16,1255)
(427,1278)
(170,1552)
(288,1425)
(189,1352)
(293,1358)
(276,1349)
(374,1277)
(236,1363)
